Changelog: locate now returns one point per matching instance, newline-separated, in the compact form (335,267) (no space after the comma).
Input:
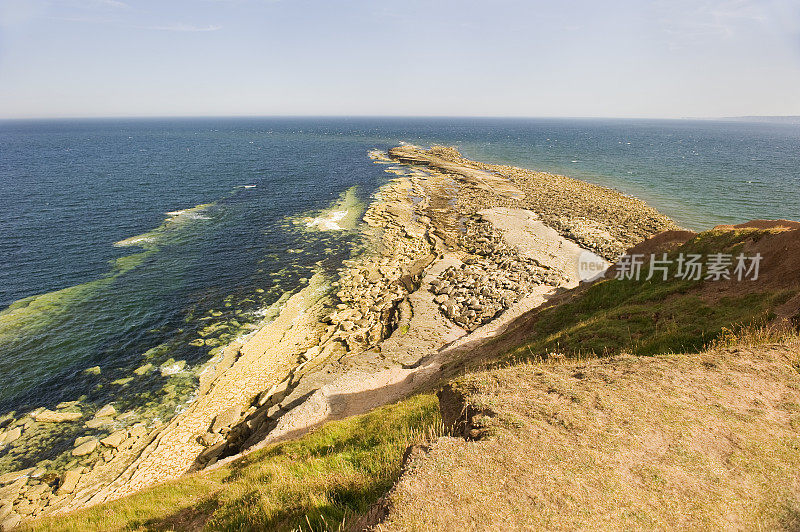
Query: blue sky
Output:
(645,58)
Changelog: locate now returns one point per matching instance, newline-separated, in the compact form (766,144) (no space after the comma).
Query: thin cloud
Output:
(114,3)
(689,22)
(87,20)
(184,28)
(94,4)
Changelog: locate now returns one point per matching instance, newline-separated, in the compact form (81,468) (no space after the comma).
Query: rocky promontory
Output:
(454,250)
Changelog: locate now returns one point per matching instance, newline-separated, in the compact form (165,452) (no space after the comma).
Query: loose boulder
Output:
(115,439)
(69,481)
(85,448)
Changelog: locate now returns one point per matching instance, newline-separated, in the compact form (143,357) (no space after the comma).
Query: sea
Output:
(131,250)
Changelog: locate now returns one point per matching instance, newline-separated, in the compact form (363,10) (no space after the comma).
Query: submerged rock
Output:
(10,436)
(171,367)
(141,370)
(106,411)
(48,416)
(96,423)
(7,419)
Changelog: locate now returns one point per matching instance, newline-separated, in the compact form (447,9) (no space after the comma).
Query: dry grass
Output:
(756,335)
(702,442)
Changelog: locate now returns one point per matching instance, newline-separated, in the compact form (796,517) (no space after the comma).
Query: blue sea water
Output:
(72,188)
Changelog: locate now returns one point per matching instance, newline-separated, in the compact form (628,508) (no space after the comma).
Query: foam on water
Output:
(136,241)
(151,238)
(342,215)
(329,222)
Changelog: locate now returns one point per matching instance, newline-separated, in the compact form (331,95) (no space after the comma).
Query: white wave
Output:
(329,222)
(195,216)
(135,241)
(342,215)
(172,369)
(189,214)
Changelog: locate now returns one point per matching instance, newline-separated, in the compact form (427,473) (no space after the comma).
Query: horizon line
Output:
(355,116)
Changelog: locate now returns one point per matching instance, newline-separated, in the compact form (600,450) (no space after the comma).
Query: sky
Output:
(527,58)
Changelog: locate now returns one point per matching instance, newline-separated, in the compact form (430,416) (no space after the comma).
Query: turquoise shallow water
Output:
(71,189)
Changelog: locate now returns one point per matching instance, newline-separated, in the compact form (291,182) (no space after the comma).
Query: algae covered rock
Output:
(98,422)
(48,416)
(141,370)
(11,436)
(171,367)
(106,411)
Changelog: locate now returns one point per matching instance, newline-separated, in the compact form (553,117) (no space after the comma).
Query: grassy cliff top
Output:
(701,442)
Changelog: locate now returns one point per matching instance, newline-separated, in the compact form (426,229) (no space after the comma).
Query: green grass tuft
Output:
(318,482)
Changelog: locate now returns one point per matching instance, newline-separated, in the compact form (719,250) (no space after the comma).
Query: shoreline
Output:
(460,248)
